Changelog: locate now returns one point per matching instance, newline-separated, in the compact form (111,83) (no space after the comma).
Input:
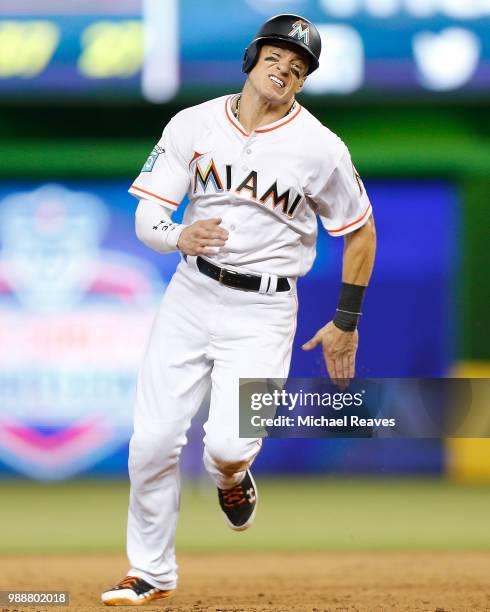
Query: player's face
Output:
(279,73)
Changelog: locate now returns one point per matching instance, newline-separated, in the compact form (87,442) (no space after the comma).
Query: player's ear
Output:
(301,84)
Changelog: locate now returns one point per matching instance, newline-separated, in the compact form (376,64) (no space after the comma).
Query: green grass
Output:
(294,515)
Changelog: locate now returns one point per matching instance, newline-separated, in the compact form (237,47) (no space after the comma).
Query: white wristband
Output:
(155,228)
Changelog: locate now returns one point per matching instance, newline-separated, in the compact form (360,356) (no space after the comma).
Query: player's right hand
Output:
(202,238)
(339,351)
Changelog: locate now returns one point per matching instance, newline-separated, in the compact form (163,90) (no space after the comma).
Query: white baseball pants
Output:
(204,334)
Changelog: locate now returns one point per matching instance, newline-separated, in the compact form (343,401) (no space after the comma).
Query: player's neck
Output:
(255,111)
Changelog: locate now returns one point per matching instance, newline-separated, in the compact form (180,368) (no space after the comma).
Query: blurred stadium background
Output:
(85,90)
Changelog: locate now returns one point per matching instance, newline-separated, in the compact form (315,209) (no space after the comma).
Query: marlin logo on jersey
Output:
(210,175)
(300,30)
(287,201)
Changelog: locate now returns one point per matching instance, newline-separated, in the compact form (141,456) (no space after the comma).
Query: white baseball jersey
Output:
(267,186)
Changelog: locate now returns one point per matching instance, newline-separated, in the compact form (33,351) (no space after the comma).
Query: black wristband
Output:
(349,307)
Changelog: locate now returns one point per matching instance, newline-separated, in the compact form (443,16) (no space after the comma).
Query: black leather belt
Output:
(237,280)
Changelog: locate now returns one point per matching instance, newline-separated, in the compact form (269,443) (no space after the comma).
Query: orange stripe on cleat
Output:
(124,601)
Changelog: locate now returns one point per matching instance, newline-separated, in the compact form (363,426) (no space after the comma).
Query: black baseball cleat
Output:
(239,503)
(133,591)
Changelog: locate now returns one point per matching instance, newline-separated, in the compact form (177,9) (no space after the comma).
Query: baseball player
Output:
(258,169)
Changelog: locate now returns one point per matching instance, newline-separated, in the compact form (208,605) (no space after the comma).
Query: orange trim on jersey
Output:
(196,156)
(259,131)
(281,124)
(231,120)
(154,195)
(353,222)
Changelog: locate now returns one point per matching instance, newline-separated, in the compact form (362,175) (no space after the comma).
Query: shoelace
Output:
(234,497)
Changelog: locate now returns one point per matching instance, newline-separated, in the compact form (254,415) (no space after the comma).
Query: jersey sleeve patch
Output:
(152,158)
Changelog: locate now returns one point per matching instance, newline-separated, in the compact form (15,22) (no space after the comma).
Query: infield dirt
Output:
(333,582)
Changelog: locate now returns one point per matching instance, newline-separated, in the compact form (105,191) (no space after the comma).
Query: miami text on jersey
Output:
(288,200)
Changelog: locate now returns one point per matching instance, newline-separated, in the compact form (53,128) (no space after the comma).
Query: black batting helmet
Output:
(288,28)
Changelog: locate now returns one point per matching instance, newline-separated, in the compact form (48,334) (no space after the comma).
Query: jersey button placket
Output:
(248,152)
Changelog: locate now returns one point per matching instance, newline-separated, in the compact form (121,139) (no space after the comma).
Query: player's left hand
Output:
(339,351)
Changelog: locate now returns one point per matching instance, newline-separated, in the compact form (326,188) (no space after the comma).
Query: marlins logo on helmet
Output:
(301,31)
(288,28)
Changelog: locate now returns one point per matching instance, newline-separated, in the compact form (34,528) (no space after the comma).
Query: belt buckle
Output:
(226,276)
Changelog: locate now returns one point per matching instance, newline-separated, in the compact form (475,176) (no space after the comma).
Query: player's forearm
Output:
(359,253)
(155,228)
